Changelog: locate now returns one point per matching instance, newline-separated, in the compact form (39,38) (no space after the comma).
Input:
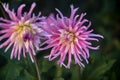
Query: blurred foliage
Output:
(104,63)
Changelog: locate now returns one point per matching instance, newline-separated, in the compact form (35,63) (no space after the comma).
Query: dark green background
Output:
(104,63)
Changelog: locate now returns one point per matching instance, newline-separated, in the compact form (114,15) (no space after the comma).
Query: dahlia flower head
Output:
(69,38)
(20,31)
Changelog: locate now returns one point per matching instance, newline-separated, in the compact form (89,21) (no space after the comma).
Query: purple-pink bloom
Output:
(69,36)
(20,31)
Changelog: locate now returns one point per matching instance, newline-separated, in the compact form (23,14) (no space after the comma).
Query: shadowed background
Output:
(104,63)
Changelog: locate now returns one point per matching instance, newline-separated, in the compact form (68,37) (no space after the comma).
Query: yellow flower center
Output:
(67,36)
(20,30)
(22,27)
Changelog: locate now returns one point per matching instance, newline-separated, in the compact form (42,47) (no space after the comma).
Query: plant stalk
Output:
(58,71)
(37,67)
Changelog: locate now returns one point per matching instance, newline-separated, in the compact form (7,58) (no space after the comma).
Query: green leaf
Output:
(100,70)
(25,75)
(58,79)
(45,65)
(18,70)
(11,71)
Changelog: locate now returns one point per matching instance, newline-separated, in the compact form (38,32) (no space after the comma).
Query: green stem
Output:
(37,67)
(80,72)
(58,71)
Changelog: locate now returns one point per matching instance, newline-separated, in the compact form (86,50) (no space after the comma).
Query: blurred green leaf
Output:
(11,69)
(26,76)
(45,65)
(113,77)
(58,79)
(100,70)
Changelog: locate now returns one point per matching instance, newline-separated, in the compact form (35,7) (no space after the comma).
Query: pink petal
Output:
(5,43)
(11,43)
(19,11)
(31,9)
(73,11)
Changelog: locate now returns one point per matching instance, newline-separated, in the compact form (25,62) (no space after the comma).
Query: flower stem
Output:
(37,67)
(58,71)
(80,72)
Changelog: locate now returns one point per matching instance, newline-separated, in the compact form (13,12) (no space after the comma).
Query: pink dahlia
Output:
(21,31)
(69,36)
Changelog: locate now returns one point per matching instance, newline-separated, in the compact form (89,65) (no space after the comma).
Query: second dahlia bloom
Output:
(20,31)
(69,38)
